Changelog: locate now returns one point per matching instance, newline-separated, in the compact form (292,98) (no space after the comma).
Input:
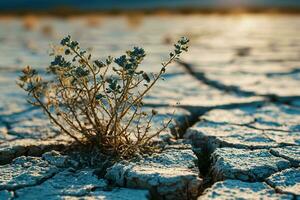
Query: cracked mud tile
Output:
(171,174)
(66,183)
(236,189)
(290,153)
(210,135)
(30,147)
(245,165)
(24,172)
(252,127)
(286,181)
(266,117)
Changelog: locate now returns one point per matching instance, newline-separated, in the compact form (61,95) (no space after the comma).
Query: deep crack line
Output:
(29,109)
(200,76)
(39,182)
(280,192)
(198,111)
(293,71)
(279,171)
(5,123)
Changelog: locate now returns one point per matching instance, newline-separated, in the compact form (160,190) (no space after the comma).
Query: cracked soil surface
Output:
(236,94)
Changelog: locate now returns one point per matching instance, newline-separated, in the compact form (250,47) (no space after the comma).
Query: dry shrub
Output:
(99,102)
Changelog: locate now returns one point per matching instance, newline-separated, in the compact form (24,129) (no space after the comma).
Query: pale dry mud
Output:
(30,147)
(171,174)
(55,177)
(245,165)
(185,90)
(290,153)
(236,189)
(235,96)
(287,181)
(258,58)
(253,127)
(250,144)
(24,172)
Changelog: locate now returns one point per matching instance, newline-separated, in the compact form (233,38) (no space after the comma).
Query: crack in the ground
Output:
(205,163)
(293,71)
(5,123)
(250,125)
(14,114)
(204,155)
(200,76)
(34,149)
(207,176)
(20,136)
(276,189)
(281,192)
(198,111)
(285,157)
(39,182)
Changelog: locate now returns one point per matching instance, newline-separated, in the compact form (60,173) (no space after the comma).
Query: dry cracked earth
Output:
(236,95)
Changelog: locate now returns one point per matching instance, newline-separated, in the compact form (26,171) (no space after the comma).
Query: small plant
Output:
(97,103)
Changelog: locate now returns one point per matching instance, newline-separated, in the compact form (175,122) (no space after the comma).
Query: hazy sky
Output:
(134,4)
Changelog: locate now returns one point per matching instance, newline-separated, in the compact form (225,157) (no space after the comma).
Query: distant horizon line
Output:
(68,10)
